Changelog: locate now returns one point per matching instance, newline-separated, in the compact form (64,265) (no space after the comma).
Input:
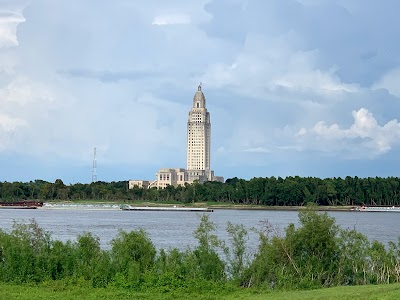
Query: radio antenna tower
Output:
(94,168)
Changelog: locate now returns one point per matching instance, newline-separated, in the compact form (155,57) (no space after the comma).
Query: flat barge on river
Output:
(165,208)
(21,204)
(377,209)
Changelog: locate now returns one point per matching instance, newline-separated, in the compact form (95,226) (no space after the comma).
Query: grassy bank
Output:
(57,290)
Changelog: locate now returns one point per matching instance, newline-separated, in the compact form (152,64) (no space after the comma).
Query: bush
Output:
(132,254)
(306,257)
(24,253)
(210,265)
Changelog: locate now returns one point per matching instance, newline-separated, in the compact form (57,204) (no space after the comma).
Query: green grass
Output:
(60,291)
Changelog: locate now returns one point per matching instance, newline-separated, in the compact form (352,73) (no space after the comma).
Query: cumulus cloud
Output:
(171,19)
(22,92)
(8,126)
(9,21)
(269,64)
(390,81)
(301,132)
(24,106)
(364,137)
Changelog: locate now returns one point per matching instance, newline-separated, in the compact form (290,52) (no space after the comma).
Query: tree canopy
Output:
(289,191)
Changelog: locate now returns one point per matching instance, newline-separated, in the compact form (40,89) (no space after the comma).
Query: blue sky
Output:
(294,87)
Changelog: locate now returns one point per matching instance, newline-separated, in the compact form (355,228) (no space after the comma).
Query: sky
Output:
(293,87)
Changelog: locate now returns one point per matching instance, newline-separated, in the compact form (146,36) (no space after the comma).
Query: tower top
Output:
(199,101)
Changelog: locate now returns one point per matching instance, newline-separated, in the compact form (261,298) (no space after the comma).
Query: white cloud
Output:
(24,109)
(257,150)
(301,132)
(365,136)
(267,64)
(390,81)
(171,19)
(9,21)
(21,91)
(8,124)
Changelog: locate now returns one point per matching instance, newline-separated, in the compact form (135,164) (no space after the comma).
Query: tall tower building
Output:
(198,152)
(198,140)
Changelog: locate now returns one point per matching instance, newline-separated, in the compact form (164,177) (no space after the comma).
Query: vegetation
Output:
(314,255)
(289,191)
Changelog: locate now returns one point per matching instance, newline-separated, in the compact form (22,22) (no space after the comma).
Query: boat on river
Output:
(378,209)
(165,208)
(21,204)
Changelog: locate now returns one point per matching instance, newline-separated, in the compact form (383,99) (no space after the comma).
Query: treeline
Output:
(315,254)
(279,191)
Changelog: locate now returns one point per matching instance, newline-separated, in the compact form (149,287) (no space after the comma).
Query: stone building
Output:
(197,149)
(139,183)
(172,177)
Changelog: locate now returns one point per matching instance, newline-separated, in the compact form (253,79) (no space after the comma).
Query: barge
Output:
(21,204)
(378,209)
(165,208)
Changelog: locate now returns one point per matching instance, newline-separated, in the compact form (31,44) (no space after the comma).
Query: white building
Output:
(197,149)
(198,140)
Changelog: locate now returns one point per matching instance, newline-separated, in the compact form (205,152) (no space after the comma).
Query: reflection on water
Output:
(175,229)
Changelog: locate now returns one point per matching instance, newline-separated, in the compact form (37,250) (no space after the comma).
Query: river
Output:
(171,229)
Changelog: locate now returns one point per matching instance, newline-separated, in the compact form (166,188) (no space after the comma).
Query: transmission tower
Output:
(94,168)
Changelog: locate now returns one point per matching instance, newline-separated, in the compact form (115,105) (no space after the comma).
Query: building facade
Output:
(139,183)
(197,151)
(174,177)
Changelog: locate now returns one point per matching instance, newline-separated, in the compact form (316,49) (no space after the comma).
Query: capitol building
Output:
(197,152)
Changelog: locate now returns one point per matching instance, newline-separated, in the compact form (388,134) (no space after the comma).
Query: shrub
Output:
(305,257)
(237,257)
(210,265)
(132,254)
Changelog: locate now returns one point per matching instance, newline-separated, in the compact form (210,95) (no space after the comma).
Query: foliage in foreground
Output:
(315,254)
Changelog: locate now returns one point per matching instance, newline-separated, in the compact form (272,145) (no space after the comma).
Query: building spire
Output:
(199,101)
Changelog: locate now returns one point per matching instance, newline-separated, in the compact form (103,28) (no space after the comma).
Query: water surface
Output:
(169,229)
